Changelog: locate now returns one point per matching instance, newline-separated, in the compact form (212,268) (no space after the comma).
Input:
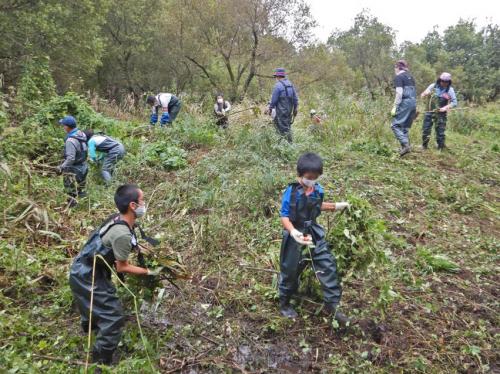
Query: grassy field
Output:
(418,252)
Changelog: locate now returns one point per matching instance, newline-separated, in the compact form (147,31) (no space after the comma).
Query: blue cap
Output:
(69,121)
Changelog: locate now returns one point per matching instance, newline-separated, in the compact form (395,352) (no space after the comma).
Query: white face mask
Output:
(220,101)
(309,182)
(140,211)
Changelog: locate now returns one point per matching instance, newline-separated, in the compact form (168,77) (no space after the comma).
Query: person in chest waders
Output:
(113,240)
(221,110)
(74,166)
(404,110)
(302,204)
(442,99)
(285,102)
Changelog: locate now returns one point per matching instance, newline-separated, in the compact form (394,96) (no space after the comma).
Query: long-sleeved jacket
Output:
(75,149)
(100,143)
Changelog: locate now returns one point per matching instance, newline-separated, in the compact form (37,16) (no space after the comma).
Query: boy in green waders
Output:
(302,204)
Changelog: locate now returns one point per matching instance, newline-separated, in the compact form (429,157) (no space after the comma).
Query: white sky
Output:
(411,19)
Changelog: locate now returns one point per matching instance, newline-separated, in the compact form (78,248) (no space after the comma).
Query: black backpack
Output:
(94,246)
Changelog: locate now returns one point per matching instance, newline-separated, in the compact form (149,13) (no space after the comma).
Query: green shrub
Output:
(40,135)
(69,104)
(35,87)
(192,134)
(167,156)
(464,122)
(373,147)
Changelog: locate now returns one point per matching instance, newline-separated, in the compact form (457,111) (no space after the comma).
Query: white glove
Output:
(300,238)
(341,206)
(155,271)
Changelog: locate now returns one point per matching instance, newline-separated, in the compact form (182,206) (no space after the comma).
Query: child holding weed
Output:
(302,204)
(112,242)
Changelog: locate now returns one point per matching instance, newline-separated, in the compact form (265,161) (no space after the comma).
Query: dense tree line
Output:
(125,47)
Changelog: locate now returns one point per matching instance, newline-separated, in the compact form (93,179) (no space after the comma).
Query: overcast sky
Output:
(411,19)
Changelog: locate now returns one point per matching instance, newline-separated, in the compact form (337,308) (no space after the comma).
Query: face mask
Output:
(140,211)
(309,182)
(220,101)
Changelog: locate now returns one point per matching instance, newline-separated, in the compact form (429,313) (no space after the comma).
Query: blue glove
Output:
(154,118)
(165,118)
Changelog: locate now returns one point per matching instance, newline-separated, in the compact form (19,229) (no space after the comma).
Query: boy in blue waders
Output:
(302,204)
(113,240)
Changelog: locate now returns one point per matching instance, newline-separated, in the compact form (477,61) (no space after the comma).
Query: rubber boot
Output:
(286,308)
(106,176)
(340,317)
(103,356)
(404,150)
(72,202)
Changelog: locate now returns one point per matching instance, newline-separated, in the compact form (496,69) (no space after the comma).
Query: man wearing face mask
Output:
(114,240)
(221,109)
(302,204)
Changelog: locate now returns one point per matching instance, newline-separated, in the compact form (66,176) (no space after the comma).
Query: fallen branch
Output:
(259,269)
(60,359)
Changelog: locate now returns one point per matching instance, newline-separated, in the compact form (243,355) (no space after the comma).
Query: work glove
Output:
(267,111)
(393,111)
(165,117)
(341,206)
(59,170)
(153,119)
(301,238)
(156,271)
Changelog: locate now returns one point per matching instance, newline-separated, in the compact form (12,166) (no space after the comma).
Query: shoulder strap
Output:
(147,238)
(83,148)
(116,222)
(293,200)
(286,87)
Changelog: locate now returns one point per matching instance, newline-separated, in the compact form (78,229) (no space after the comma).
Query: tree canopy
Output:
(117,48)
